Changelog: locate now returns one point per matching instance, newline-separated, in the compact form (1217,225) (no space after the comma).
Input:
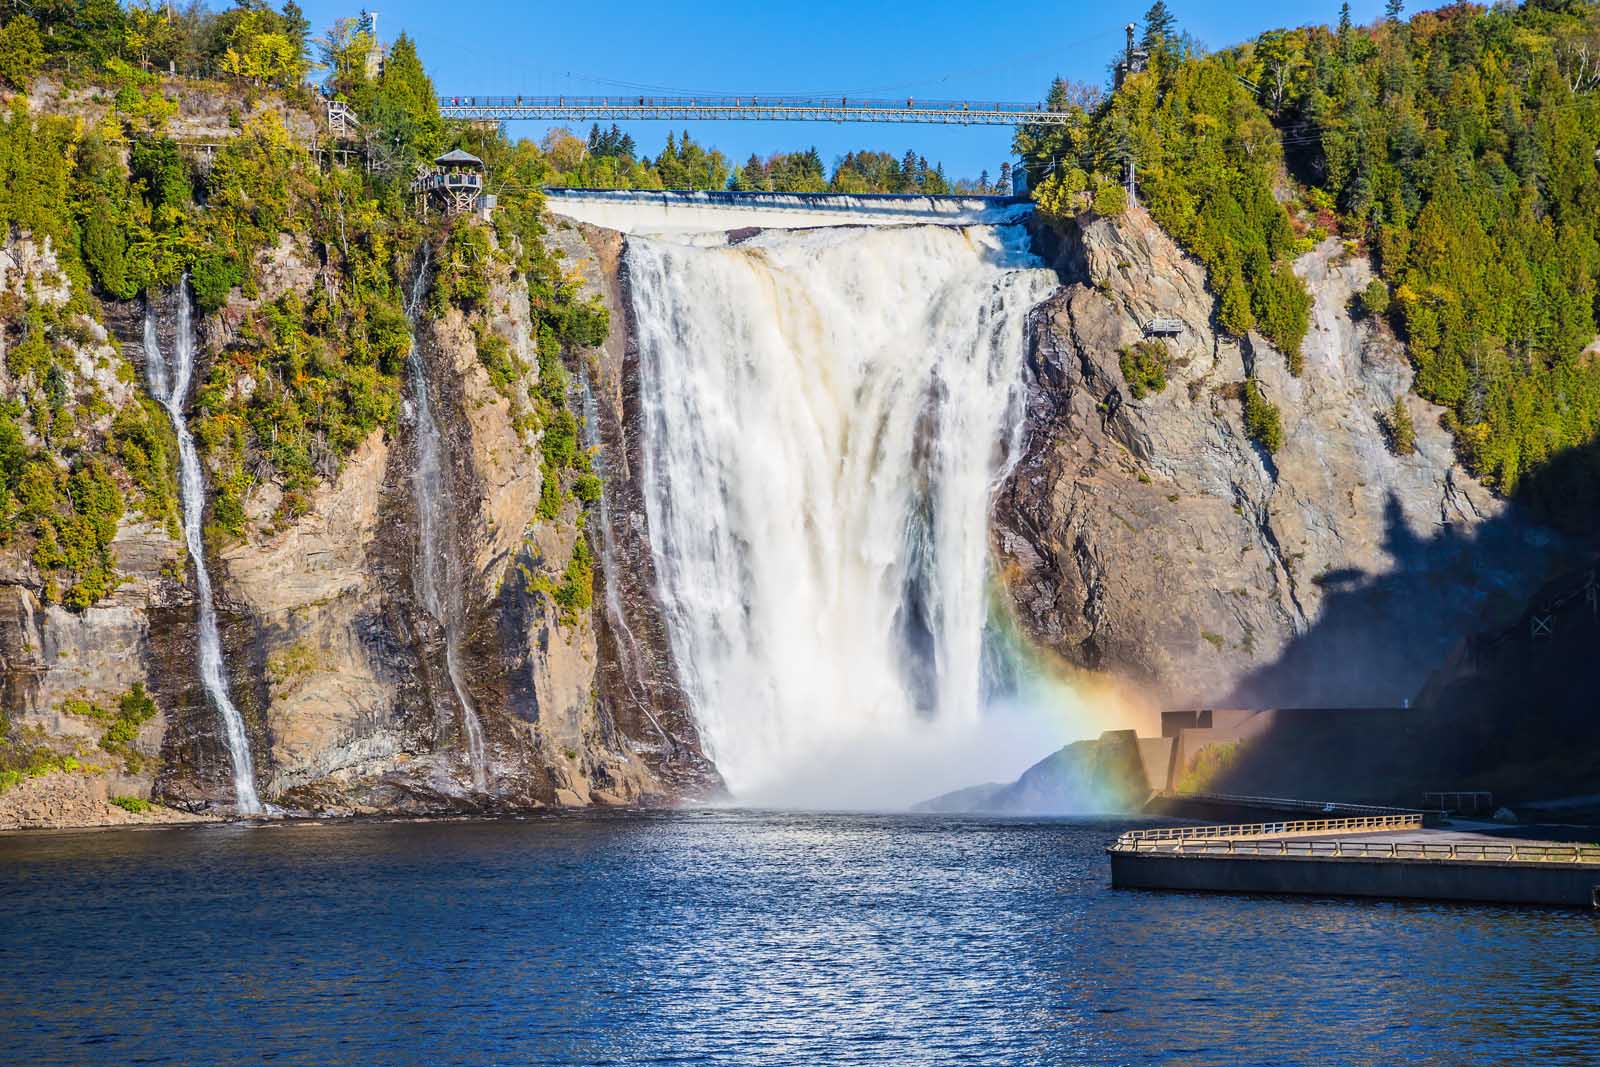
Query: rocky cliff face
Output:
(358,711)
(338,670)
(1153,539)
(637,684)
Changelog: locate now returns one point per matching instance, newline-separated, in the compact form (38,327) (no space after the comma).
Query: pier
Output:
(1369,856)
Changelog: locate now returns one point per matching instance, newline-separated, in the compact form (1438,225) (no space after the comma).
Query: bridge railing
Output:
(752,108)
(755,100)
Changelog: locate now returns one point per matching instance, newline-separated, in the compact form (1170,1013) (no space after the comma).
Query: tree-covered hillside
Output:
(1457,148)
(102,203)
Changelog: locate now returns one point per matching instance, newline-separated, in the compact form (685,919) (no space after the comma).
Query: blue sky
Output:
(935,50)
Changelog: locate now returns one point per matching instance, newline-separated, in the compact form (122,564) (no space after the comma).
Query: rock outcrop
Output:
(1153,539)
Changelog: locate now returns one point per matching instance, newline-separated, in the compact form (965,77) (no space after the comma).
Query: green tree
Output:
(1402,431)
(1159,28)
(21,51)
(405,109)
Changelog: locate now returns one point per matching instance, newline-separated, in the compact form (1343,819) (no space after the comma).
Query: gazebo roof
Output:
(456,157)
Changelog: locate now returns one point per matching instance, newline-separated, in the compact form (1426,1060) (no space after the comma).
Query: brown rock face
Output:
(637,681)
(360,713)
(1153,539)
(340,673)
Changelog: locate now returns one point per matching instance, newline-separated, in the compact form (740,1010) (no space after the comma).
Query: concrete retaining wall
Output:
(1566,885)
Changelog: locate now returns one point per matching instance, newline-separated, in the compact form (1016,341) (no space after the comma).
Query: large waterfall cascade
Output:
(827,413)
(170,385)
(437,574)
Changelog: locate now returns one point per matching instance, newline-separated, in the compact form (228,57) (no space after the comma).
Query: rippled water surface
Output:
(734,937)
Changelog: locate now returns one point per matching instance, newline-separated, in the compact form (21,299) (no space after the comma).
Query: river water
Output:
(741,938)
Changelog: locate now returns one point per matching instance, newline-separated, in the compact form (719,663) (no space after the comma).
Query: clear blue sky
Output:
(935,50)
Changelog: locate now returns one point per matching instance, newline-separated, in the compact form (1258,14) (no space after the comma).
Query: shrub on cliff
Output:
(1144,368)
(1373,302)
(1110,198)
(1262,421)
(1402,432)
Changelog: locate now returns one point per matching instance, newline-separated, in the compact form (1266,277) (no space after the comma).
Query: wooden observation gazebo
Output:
(454,185)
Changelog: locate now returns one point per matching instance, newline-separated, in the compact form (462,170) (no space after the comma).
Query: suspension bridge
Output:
(748,108)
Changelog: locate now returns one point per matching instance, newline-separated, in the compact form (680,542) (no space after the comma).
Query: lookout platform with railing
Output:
(1390,855)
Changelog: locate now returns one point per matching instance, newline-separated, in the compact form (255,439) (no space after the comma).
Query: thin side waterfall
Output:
(826,415)
(628,654)
(170,385)
(437,574)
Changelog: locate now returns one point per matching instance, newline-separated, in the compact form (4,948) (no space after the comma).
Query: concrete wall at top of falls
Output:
(717,212)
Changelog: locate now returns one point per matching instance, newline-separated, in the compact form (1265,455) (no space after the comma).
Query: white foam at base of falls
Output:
(826,415)
(170,386)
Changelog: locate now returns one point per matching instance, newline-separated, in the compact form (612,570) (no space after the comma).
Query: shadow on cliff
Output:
(1377,636)
(1501,686)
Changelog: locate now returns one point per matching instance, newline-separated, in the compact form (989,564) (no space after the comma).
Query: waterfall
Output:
(826,414)
(437,574)
(170,385)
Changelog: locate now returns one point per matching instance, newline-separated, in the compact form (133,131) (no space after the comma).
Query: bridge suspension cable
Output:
(749,108)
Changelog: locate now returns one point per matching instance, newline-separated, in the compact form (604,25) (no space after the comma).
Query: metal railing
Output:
(1364,824)
(769,108)
(1339,848)
(1328,807)
(1461,801)
(1273,839)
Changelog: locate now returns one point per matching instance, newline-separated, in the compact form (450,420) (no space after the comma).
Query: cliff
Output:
(1153,539)
(340,672)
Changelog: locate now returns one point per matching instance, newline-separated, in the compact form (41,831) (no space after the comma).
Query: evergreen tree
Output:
(1344,19)
(1002,184)
(405,109)
(1392,10)
(1057,99)
(1159,25)
(908,172)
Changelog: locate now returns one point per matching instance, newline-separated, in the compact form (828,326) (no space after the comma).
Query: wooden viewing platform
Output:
(1369,856)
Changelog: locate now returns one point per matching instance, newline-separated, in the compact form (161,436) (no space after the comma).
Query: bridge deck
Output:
(750,108)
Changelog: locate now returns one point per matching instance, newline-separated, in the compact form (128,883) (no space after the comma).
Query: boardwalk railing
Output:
(1338,848)
(1273,839)
(1365,824)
